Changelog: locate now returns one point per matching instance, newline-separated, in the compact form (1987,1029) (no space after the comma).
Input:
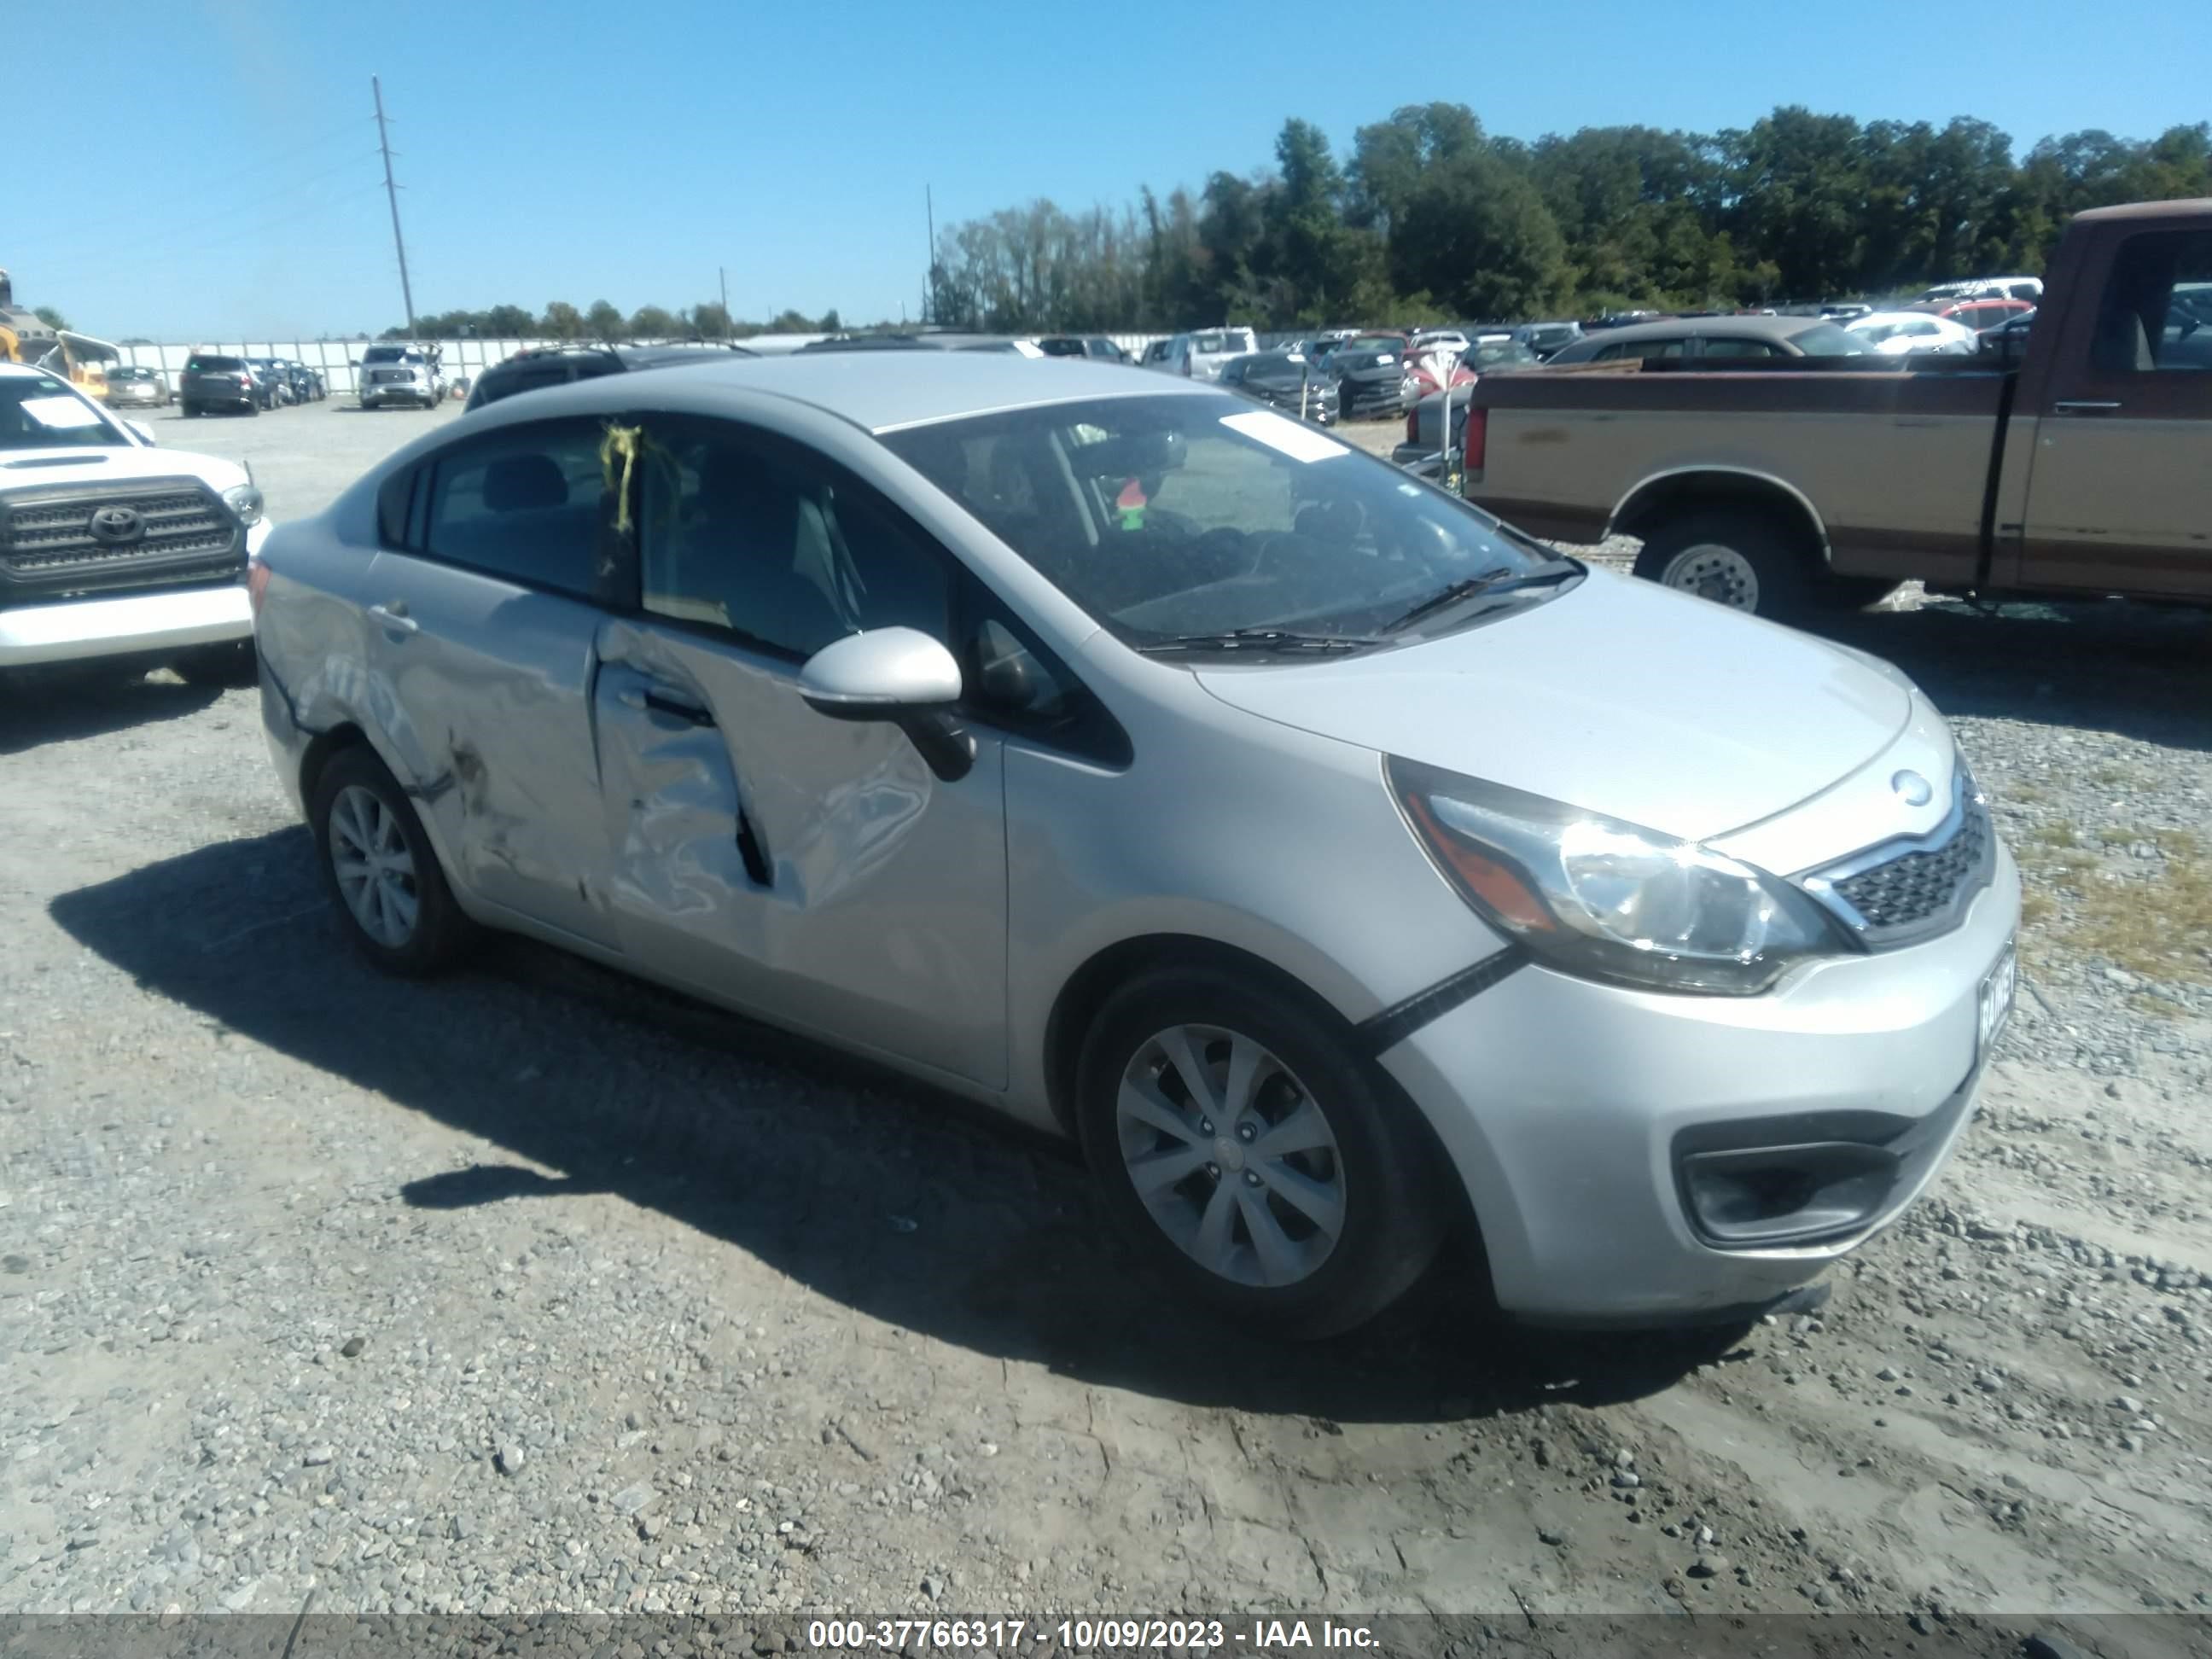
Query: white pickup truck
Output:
(112,549)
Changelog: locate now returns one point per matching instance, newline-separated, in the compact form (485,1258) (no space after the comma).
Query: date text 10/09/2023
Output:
(1086,1635)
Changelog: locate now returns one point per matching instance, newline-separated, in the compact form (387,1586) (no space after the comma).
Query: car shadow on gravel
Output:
(2137,671)
(908,1206)
(57,705)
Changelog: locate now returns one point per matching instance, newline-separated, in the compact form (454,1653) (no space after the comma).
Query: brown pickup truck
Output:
(2078,464)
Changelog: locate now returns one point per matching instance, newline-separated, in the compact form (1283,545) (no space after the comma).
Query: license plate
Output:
(1997,988)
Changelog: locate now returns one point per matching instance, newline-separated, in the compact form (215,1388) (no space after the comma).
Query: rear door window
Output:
(1726,347)
(532,504)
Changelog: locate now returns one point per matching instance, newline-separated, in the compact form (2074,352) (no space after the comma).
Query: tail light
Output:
(257,582)
(1476,440)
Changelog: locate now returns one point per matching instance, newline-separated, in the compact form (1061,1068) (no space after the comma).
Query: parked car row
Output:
(246,385)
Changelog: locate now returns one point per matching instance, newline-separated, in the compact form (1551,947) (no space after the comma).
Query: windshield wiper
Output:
(1490,582)
(1262,639)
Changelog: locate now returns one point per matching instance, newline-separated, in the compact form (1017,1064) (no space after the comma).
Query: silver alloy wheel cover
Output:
(1714,572)
(1243,1172)
(375,868)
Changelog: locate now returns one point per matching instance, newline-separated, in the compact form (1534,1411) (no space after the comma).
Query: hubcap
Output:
(1715,573)
(1231,1156)
(375,870)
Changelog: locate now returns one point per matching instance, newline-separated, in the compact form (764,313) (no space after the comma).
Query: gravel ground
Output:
(536,1290)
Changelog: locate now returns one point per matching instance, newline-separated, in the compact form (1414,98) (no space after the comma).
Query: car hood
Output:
(1618,697)
(65,465)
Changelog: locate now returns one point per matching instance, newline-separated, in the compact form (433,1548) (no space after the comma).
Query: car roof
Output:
(881,389)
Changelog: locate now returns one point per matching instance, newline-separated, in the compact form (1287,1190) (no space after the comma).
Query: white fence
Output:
(338,360)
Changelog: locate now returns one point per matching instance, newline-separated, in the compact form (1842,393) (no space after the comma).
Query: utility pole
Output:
(392,192)
(929,270)
(722,273)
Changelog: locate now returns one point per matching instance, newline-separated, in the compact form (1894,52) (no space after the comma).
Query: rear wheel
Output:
(1249,1152)
(1738,557)
(379,866)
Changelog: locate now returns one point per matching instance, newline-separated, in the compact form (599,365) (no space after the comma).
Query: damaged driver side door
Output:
(812,871)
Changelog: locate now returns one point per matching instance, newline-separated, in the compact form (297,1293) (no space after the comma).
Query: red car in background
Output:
(1979,315)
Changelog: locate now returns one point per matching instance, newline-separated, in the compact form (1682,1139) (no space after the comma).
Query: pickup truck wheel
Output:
(1745,561)
(230,664)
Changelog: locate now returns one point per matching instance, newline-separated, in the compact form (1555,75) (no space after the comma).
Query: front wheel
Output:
(378,865)
(230,664)
(1246,1149)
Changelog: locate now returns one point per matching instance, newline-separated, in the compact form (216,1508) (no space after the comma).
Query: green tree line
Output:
(603,322)
(1430,218)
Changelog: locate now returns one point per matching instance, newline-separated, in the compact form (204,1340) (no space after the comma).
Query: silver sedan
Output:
(1330,860)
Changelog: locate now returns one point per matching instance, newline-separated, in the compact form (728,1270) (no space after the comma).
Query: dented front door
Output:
(812,871)
(485,688)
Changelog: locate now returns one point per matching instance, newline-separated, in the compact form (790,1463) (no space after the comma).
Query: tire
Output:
(1364,1171)
(1737,557)
(252,408)
(228,665)
(356,799)
(191,411)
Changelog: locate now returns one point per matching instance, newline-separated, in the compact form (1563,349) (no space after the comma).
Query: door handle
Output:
(393,618)
(655,700)
(2083,406)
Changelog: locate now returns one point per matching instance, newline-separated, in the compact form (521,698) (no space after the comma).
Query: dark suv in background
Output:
(210,381)
(526,371)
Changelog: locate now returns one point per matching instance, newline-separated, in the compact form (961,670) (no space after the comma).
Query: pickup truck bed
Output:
(2085,468)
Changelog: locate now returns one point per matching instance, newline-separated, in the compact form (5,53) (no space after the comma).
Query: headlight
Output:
(245,501)
(1596,897)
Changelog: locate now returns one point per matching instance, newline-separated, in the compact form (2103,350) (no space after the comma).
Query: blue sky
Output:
(562,150)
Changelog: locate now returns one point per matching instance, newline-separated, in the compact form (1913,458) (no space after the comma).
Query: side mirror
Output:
(897,674)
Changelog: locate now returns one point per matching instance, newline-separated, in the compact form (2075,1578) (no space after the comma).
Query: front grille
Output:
(48,547)
(391,377)
(1372,397)
(1912,890)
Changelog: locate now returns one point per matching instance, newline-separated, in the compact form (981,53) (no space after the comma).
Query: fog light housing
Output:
(1753,1197)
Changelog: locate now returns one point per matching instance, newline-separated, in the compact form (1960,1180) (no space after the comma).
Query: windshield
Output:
(390,355)
(1826,340)
(41,412)
(1171,517)
(1376,343)
(1276,367)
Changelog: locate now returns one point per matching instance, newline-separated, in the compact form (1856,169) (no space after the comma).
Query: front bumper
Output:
(128,625)
(371,395)
(1567,1108)
(1360,399)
